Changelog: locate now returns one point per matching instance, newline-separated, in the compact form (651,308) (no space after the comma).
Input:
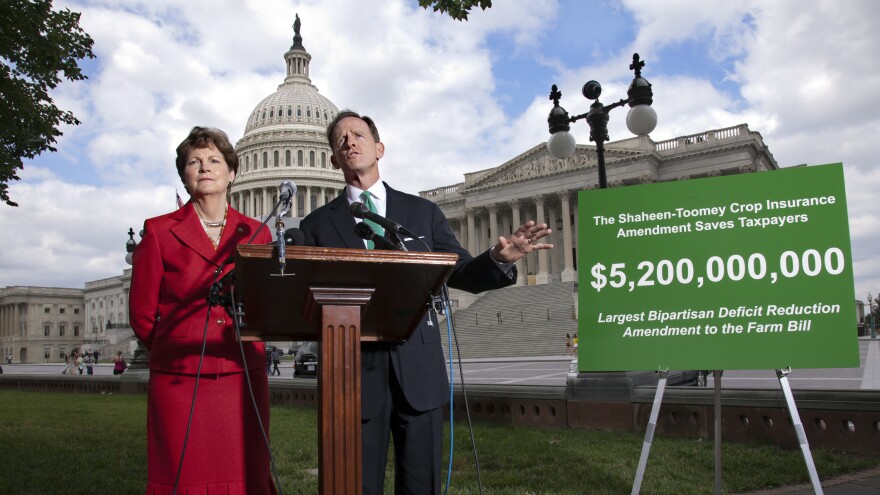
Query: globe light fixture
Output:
(130,244)
(641,119)
(141,359)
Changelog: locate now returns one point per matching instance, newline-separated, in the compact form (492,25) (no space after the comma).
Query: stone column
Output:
(522,276)
(568,273)
(308,202)
(471,231)
(493,225)
(268,202)
(554,256)
(543,275)
(462,231)
(16,320)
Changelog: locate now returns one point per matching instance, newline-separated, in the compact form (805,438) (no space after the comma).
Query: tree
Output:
(457,9)
(37,47)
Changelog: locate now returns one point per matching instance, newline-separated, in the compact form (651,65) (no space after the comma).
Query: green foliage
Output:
(38,46)
(457,9)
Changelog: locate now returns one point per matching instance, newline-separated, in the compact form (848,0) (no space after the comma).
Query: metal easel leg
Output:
(799,429)
(649,433)
(717,375)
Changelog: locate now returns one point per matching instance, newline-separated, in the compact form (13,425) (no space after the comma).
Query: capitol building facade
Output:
(284,139)
(536,186)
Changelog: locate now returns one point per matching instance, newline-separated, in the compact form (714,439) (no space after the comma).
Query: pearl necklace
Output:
(221,223)
(210,225)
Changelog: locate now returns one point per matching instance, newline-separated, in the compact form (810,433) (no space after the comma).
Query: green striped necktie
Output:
(368,201)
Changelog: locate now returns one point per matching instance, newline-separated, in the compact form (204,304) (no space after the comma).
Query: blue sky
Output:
(450,97)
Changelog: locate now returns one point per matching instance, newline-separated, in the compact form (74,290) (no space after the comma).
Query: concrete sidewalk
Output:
(862,483)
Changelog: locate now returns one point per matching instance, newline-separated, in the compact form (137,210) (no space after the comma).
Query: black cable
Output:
(247,376)
(444,293)
(192,407)
(467,409)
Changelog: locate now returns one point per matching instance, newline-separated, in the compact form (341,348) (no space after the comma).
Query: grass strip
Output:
(89,444)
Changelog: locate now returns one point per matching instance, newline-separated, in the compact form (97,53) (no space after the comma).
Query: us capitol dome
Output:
(284,139)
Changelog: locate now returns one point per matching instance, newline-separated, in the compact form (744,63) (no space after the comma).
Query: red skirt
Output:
(225,452)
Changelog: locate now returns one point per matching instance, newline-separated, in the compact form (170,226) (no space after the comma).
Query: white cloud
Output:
(803,77)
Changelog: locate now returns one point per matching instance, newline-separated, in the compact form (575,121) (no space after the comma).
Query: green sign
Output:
(750,271)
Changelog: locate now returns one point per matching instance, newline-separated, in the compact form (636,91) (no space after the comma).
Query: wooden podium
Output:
(340,297)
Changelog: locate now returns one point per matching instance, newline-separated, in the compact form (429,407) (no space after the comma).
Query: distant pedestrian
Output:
(88,361)
(79,364)
(69,363)
(567,343)
(276,360)
(95,355)
(574,343)
(268,361)
(119,364)
(9,358)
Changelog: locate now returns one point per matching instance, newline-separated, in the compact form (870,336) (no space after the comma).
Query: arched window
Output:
(246,162)
(275,158)
(300,203)
(287,158)
(323,159)
(308,112)
(299,111)
(312,158)
(265,160)
(299,158)
(289,111)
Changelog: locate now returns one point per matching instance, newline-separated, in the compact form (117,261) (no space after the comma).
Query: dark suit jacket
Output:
(172,270)
(418,363)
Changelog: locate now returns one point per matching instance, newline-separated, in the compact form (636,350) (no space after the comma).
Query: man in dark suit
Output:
(404,386)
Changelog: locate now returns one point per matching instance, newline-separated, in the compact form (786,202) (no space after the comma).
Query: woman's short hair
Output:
(203,137)
(350,113)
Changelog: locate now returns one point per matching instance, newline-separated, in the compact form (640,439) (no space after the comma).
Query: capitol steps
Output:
(516,321)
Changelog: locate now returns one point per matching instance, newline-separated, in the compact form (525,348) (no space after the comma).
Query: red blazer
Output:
(172,270)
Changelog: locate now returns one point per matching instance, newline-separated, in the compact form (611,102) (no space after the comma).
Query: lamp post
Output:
(141,358)
(641,119)
(873,317)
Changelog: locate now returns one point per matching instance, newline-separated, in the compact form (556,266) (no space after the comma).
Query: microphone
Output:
(366,232)
(294,237)
(286,193)
(287,190)
(360,210)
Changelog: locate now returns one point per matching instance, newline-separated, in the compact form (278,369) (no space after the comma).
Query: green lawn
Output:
(93,444)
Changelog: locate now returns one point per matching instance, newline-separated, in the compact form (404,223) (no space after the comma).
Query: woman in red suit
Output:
(173,268)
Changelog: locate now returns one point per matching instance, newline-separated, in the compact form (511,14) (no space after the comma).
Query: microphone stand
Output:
(279,232)
(395,239)
(215,295)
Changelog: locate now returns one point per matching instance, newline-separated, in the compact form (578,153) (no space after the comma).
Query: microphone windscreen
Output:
(358,209)
(364,231)
(287,189)
(294,237)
